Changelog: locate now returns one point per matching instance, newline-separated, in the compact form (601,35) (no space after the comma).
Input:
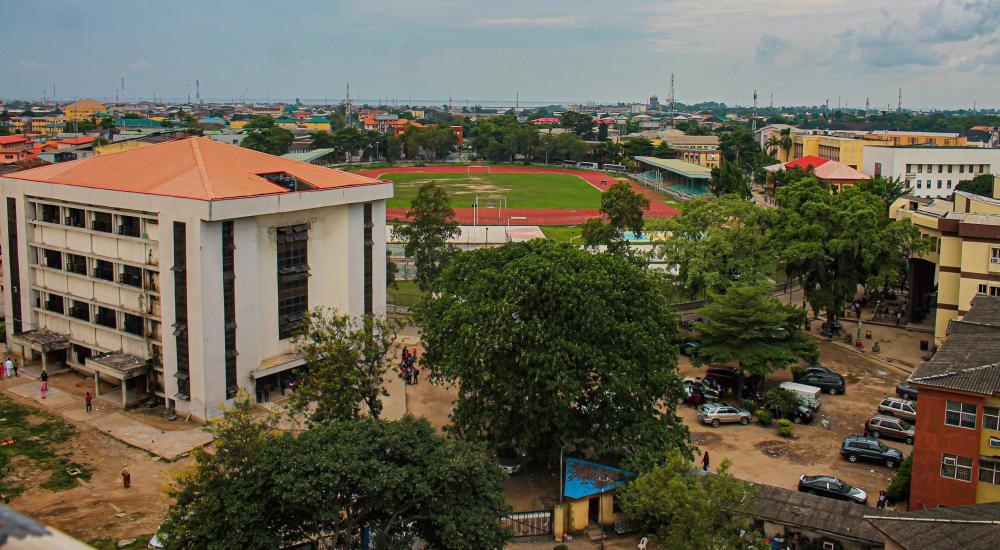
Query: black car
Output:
(857,447)
(799,415)
(822,378)
(831,487)
(906,391)
(691,348)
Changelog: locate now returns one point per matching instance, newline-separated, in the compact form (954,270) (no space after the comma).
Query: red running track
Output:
(535,216)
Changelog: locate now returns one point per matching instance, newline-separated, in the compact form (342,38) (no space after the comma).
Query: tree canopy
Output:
(432,224)
(580,124)
(262,135)
(263,489)
(981,185)
(550,345)
(429,143)
(624,209)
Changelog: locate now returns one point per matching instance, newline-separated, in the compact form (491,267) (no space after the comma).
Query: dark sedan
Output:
(822,378)
(906,391)
(831,487)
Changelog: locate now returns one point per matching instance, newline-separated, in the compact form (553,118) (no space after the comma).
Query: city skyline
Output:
(943,54)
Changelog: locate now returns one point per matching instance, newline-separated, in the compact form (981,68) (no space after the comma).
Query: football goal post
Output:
(478,169)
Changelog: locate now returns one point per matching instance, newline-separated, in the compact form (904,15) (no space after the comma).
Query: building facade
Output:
(931,171)
(849,147)
(956,454)
(83,110)
(182,270)
(13,148)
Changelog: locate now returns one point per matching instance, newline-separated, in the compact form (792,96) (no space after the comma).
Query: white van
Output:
(810,395)
(587,165)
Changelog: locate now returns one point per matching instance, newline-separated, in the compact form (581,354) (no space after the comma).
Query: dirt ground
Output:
(759,454)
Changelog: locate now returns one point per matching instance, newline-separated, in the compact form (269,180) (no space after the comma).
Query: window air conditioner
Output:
(995,442)
(995,260)
(950,461)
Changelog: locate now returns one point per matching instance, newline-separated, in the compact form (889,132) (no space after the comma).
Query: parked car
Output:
(691,348)
(831,487)
(799,415)
(859,447)
(720,413)
(808,395)
(822,378)
(906,391)
(881,425)
(895,406)
(511,460)
(729,377)
(698,391)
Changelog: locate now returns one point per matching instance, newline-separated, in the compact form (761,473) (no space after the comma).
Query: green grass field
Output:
(521,190)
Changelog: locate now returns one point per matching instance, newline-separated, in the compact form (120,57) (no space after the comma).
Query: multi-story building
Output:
(931,171)
(965,261)
(956,454)
(13,148)
(849,147)
(83,110)
(709,158)
(183,269)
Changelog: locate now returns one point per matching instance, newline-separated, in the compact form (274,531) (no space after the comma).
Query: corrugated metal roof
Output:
(973,527)
(584,478)
(835,517)
(686,169)
(969,358)
(309,156)
(192,168)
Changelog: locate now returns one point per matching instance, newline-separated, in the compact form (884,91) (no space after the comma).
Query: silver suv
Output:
(720,413)
(898,407)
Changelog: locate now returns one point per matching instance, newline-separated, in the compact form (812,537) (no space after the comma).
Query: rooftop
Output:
(973,527)
(309,156)
(969,358)
(687,169)
(192,168)
(836,517)
(585,479)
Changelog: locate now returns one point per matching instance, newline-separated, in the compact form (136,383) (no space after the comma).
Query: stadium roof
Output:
(309,156)
(686,169)
(191,168)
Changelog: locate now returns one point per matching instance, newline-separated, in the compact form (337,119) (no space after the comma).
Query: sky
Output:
(942,53)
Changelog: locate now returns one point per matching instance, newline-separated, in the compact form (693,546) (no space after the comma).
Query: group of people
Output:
(9,369)
(408,367)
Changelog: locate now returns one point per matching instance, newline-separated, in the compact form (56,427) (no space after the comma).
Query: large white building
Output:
(182,269)
(930,171)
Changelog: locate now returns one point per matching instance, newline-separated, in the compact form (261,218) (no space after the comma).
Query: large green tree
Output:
(262,135)
(624,209)
(833,242)
(580,124)
(729,179)
(682,509)
(981,185)
(262,489)
(639,147)
(346,360)
(432,224)
(749,326)
(550,345)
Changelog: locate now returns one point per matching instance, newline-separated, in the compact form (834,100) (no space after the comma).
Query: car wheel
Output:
(909,441)
(890,463)
(797,420)
(852,458)
(744,420)
(715,423)
(876,434)
(841,391)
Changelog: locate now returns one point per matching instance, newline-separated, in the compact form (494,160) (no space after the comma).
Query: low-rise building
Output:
(83,110)
(14,148)
(180,271)
(931,171)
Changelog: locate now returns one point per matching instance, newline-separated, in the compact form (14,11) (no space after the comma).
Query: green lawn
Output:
(562,233)
(405,293)
(521,190)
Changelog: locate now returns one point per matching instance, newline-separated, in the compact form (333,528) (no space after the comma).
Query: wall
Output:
(986,492)
(928,489)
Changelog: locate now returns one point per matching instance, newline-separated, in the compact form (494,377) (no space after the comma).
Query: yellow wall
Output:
(317,125)
(287,125)
(986,492)
(579,512)
(236,124)
(82,113)
(120,146)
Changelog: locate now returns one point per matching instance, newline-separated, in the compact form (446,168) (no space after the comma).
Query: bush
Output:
(785,427)
(899,487)
(748,404)
(764,417)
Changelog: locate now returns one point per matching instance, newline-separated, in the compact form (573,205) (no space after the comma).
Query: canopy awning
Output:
(274,365)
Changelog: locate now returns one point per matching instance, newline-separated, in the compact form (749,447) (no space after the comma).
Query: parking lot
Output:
(759,454)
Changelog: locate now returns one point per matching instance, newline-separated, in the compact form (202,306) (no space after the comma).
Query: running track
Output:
(535,216)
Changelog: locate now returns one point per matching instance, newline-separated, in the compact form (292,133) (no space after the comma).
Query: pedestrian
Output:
(4,369)
(408,375)
(899,316)
(415,376)
(17,374)
(406,355)
(8,368)
(882,499)
(126,476)
(45,384)
(89,402)
(704,461)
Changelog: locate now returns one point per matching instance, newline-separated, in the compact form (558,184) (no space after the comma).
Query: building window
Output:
(961,168)
(76,217)
(81,353)
(920,168)
(991,418)
(960,414)
(80,310)
(949,184)
(131,276)
(104,269)
(878,169)
(368,248)
(956,467)
(940,168)
(50,213)
(919,184)
(54,303)
(949,168)
(982,290)
(128,226)
(995,291)
(76,264)
(995,256)
(13,263)
(293,278)
(989,472)
(133,324)
(180,312)
(53,259)
(106,317)
(102,222)
(229,305)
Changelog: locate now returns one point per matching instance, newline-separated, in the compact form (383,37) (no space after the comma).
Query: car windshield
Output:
(905,425)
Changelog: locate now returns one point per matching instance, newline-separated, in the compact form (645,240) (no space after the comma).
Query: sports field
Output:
(527,190)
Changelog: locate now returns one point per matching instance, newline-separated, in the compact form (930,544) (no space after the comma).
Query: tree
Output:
(782,400)
(347,359)
(887,189)
(638,147)
(624,209)
(833,242)
(592,333)
(749,326)
(899,486)
(981,185)
(728,178)
(262,135)
(393,148)
(432,224)
(580,124)
(664,151)
(687,510)
(330,483)
(602,132)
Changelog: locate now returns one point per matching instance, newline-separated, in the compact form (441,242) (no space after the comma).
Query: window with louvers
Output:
(229,305)
(293,278)
(180,311)
(368,248)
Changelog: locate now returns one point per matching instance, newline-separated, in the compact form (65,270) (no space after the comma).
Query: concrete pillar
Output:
(45,361)
(124,393)
(97,383)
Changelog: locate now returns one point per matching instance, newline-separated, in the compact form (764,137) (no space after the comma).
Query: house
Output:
(180,271)
(931,171)
(14,148)
(836,174)
(956,454)
(848,146)
(83,110)
(963,264)
(588,488)
(317,123)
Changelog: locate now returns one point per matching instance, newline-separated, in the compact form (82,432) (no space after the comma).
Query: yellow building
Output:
(83,110)
(965,261)
(44,125)
(237,124)
(708,158)
(317,123)
(589,489)
(848,147)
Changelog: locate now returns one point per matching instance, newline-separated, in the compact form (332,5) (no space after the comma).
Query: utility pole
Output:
(670,100)
(124,97)
(347,104)
(867,106)
(753,115)
(772,101)
(517,102)
(197,91)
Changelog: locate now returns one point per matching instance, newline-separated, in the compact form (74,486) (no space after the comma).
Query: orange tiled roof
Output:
(191,168)
(77,140)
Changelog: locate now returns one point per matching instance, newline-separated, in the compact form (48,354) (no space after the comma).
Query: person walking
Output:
(45,384)
(882,499)
(4,369)
(126,476)
(8,368)
(89,402)
(415,375)
(704,461)
(17,374)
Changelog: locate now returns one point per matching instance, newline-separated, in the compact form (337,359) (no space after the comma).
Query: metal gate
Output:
(529,524)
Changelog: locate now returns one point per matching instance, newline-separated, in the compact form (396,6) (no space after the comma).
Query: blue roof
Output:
(585,479)
(213,120)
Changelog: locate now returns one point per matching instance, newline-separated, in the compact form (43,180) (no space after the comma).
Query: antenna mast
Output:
(197,90)
(123,91)
(867,105)
(670,100)
(899,104)
(753,121)
(347,104)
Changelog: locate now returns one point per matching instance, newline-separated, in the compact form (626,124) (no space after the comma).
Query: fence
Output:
(529,524)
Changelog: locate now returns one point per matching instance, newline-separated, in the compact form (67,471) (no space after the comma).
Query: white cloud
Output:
(139,66)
